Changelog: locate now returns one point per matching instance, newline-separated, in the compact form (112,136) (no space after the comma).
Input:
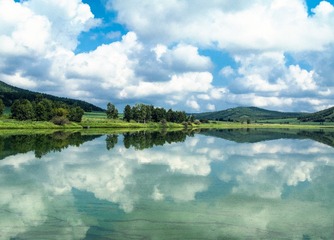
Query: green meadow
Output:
(99,120)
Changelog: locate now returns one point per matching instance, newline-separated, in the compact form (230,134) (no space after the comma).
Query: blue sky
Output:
(187,55)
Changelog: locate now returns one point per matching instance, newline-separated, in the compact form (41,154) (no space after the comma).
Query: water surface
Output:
(227,184)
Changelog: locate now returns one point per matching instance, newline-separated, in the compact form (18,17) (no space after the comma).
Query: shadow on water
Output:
(258,135)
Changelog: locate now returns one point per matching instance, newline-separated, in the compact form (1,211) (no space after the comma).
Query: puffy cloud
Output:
(186,58)
(162,60)
(211,107)
(267,79)
(179,88)
(226,71)
(263,76)
(68,19)
(261,24)
(323,10)
(110,65)
(193,104)
(45,34)
(35,34)
(23,32)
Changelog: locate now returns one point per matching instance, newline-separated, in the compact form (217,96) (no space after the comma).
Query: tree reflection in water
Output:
(41,144)
(143,140)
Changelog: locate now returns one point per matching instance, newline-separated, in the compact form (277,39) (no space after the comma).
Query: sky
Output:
(194,56)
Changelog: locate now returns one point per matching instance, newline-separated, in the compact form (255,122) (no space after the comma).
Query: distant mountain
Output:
(10,93)
(244,113)
(326,115)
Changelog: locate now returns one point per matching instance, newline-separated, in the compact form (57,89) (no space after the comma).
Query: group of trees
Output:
(42,109)
(148,113)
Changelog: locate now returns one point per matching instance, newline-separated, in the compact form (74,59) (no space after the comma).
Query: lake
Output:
(214,184)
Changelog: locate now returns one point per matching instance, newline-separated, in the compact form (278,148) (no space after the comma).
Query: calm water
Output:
(255,184)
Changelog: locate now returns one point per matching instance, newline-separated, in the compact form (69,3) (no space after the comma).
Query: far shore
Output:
(105,125)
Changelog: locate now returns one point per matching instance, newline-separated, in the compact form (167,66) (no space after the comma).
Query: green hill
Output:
(326,115)
(10,93)
(245,113)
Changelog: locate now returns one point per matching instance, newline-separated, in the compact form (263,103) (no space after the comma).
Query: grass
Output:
(99,120)
(93,115)
(14,124)
(294,121)
(117,123)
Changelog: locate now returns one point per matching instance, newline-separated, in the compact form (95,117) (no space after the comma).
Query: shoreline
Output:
(121,125)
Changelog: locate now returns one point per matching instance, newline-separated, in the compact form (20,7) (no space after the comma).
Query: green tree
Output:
(2,107)
(127,113)
(22,110)
(112,111)
(75,114)
(44,110)
(180,116)
(169,115)
(135,113)
(159,114)
(142,112)
(191,118)
(60,112)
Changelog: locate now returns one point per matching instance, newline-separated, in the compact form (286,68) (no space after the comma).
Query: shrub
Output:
(60,120)
(75,114)
(163,122)
(197,122)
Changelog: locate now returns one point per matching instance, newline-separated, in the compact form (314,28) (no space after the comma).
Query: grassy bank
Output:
(87,123)
(91,122)
(13,124)
(99,121)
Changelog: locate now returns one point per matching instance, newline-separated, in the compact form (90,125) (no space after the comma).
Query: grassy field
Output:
(13,124)
(293,121)
(92,115)
(99,120)
(117,123)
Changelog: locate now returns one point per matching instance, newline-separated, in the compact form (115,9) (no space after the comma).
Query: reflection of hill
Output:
(258,135)
(41,144)
(142,140)
(325,137)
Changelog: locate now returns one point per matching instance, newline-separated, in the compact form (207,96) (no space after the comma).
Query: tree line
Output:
(9,98)
(42,109)
(148,113)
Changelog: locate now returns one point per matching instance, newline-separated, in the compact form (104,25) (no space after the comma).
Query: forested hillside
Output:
(10,93)
(326,115)
(246,113)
